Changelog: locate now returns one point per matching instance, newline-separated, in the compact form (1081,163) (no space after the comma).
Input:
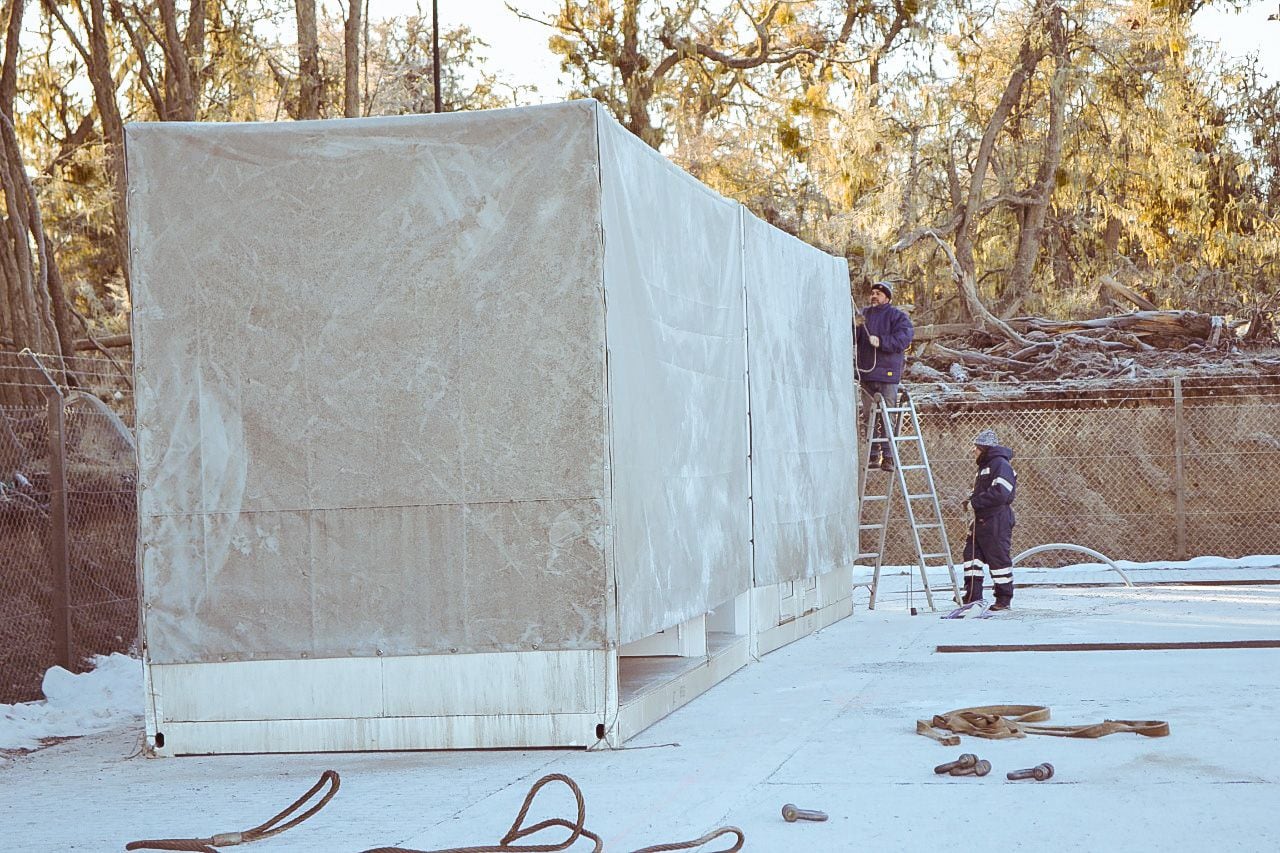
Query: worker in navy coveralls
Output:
(991,533)
(883,333)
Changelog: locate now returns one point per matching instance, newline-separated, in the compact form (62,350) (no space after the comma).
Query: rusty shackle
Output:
(791,814)
(1040,772)
(981,768)
(967,759)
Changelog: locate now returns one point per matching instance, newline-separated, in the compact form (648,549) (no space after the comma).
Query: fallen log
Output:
(1034,349)
(1095,343)
(124,340)
(1169,324)
(921,372)
(979,358)
(942,330)
(1109,284)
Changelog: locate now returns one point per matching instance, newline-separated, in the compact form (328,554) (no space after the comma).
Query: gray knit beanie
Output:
(986,438)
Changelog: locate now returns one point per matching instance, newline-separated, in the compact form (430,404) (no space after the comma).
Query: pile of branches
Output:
(1136,345)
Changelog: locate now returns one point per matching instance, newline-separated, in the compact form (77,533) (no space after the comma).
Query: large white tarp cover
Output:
(468,382)
(370,385)
(803,437)
(677,390)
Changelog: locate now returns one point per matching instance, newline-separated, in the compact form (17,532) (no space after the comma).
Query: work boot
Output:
(874,462)
(999,605)
(972,590)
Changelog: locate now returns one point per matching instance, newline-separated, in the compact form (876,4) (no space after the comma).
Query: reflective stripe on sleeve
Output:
(1001,481)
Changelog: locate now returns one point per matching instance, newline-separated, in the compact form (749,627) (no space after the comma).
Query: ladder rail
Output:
(896,434)
(877,404)
(937,512)
(900,471)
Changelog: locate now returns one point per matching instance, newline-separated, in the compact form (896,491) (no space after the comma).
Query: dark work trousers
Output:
(987,548)
(889,390)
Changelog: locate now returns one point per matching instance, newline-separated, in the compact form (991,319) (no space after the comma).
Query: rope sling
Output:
(1005,721)
(506,845)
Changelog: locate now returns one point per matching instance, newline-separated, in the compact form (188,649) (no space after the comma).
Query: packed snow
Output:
(108,696)
(828,722)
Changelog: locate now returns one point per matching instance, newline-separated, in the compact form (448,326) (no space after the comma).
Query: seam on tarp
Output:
(612,675)
(202,512)
(746,378)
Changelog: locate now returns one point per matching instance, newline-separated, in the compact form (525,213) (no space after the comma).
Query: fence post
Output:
(59,557)
(1179,473)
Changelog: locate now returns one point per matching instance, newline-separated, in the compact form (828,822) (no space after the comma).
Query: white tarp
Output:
(803,438)
(370,386)
(677,390)
(376,415)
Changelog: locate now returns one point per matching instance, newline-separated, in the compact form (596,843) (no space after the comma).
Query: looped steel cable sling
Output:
(264,830)
(577,830)
(517,831)
(506,845)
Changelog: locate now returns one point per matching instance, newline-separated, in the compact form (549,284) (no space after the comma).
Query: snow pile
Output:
(107,697)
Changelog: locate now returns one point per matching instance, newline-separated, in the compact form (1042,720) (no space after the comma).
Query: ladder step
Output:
(919,497)
(868,555)
(870,526)
(931,556)
(913,467)
(874,497)
(927,526)
(908,438)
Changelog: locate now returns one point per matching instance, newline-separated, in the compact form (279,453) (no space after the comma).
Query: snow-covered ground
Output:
(107,697)
(826,723)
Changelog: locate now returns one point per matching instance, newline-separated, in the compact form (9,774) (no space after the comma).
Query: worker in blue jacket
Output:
(991,533)
(883,333)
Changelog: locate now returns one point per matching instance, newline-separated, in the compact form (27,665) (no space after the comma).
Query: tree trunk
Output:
(351,60)
(1029,237)
(1110,285)
(1029,56)
(179,85)
(97,59)
(309,85)
(630,63)
(25,278)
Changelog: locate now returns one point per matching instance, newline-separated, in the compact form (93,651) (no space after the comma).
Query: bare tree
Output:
(351,59)
(97,57)
(33,310)
(183,54)
(174,90)
(1037,199)
(624,61)
(970,202)
(309,82)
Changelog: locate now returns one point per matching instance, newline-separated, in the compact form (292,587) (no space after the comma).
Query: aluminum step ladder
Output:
(914,477)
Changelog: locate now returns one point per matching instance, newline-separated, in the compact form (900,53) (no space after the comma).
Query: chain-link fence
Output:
(68,588)
(1144,471)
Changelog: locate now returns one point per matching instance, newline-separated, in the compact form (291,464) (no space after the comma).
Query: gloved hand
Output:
(874,340)
(858,319)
